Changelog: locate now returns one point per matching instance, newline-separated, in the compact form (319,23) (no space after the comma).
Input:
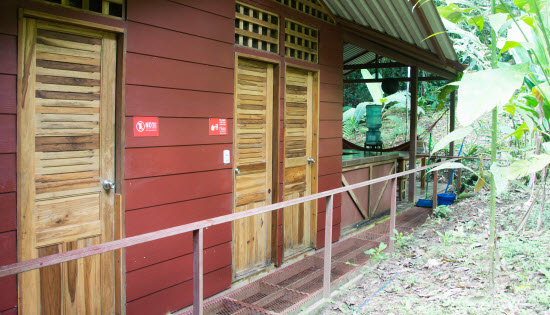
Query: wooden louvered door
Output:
(300,155)
(65,152)
(252,164)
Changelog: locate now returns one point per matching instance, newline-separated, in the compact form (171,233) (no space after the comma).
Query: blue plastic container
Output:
(445,199)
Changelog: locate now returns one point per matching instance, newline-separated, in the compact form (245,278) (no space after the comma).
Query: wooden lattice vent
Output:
(114,8)
(255,28)
(301,41)
(309,7)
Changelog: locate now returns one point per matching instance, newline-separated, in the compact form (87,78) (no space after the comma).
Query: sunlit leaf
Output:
(546,147)
(521,131)
(452,165)
(477,21)
(453,136)
(509,45)
(522,168)
(497,20)
(481,91)
(501,182)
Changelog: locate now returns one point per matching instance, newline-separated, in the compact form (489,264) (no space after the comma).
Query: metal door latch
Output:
(237,170)
(108,185)
(310,160)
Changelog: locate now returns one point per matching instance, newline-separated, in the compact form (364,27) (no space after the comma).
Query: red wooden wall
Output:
(179,67)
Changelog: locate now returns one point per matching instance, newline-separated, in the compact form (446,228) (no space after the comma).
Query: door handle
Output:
(108,185)
(310,160)
(237,170)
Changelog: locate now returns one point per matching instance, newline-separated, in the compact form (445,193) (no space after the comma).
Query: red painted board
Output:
(8,54)
(161,72)
(330,165)
(8,133)
(146,162)
(179,296)
(142,282)
(8,92)
(154,41)
(331,93)
(12,311)
(176,103)
(328,182)
(174,214)
(8,212)
(8,17)
(8,248)
(350,213)
(147,192)
(332,74)
(154,252)
(8,296)
(7,173)
(219,7)
(321,204)
(381,171)
(331,47)
(181,18)
(178,131)
(330,147)
(336,218)
(330,129)
(321,236)
(330,111)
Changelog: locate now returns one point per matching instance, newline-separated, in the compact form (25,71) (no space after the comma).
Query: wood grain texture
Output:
(8,132)
(179,296)
(181,18)
(160,72)
(178,131)
(8,98)
(146,162)
(8,54)
(7,173)
(148,192)
(154,41)
(160,276)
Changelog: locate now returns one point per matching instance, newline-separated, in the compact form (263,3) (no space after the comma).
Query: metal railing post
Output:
(198,237)
(393,210)
(328,247)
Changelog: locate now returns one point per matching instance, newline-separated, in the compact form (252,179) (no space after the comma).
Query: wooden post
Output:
(328,247)
(423,175)
(412,143)
(452,121)
(393,210)
(458,180)
(198,237)
(434,194)
(401,180)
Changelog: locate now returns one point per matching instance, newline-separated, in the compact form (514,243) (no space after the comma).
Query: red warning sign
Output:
(146,126)
(218,127)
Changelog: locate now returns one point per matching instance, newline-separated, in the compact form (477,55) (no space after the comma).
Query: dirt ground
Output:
(442,267)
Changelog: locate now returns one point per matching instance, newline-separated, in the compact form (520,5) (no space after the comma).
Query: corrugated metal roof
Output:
(398,19)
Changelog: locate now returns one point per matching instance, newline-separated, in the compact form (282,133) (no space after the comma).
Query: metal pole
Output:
(198,237)
(393,210)
(328,247)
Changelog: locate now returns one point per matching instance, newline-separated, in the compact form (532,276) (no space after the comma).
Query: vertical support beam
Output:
(452,119)
(328,247)
(434,193)
(458,181)
(414,121)
(198,237)
(393,210)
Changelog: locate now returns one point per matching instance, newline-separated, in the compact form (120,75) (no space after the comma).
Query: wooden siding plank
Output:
(145,162)
(7,173)
(160,276)
(180,296)
(8,132)
(154,41)
(331,47)
(177,17)
(8,245)
(321,235)
(8,298)
(8,17)
(330,147)
(8,54)
(8,212)
(8,99)
(178,131)
(331,111)
(336,218)
(332,93)
(220,7)
(159,72)
(330,129)
(152,101)
(331,74)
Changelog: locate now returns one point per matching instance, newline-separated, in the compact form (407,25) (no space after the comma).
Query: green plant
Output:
(376,253)
(447,237)
(400,239)
(442,211)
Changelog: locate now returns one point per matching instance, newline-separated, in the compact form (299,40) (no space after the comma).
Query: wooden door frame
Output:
(274,149)
(315,146)
(120,142)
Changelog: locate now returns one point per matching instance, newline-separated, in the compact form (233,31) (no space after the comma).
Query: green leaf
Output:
(497,20)
(509,45)
(521,131)
(522,168)
(546,147)
(452,165)
(453,136)
(481,91)
(526,5)
(477,21)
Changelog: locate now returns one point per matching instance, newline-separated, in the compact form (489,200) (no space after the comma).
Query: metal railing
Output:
(198,235)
